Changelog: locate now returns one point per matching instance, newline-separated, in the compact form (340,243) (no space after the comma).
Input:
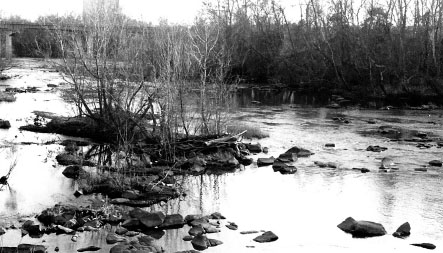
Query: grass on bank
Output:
(7,97)
(251,131)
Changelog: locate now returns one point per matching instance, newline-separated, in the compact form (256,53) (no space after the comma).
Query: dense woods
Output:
(380,47)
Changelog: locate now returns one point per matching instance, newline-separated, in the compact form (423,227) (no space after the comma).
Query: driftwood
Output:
(227,139)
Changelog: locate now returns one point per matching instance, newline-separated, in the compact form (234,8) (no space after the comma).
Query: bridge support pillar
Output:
(8,45)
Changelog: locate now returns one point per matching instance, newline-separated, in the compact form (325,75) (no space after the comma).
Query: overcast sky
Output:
(149,10)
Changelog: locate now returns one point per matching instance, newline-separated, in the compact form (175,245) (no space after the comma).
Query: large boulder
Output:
(362,229)
(403,231)
(300,152)
(73,171)
(4,124)
(254,148)
(436,163)
(265,161)
(268,236)
(200,242)
(172,221)
(151,220)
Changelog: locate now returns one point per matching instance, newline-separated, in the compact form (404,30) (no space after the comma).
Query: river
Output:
(303,209)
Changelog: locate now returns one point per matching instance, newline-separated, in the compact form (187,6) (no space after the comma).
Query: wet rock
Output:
(436,163)
(69,159)
(330,145)
(199,222)
(112,238)
(32,229)
(376,148)
(265,150)
(217,216)
(73,171)
(421,135)
(131,233)
(300,152)
(78,193)
(197,165)
(362,229)
(254,148)
(403,231)
(56,249)
(341,120)
(214,242)
(232,226)
(320,164)
(332,165)
(248,232)
(188,238)
(121,248)
(200,242)
(191,217)
(425,245)
(47,217)
(172,221)
(154,232)
(198,230)
(265,161)
(211,229)
(371,121)
(386,163)
(4,124)
(421,169)
(364,170)
(283,168)
(268,236)
(287,157)
(245,161)
(121,231)
(89,248)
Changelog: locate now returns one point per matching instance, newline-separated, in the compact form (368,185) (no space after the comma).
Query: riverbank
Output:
(253,197)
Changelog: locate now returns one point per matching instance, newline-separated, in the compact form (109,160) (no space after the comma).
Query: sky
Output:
(176,11)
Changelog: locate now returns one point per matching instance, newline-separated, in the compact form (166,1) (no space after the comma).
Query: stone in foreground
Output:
(403,231)
(362,229)
(425,245)
(268,236)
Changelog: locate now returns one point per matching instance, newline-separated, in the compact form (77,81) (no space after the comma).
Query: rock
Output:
(254,148)
(51,85)
(172,221)
(265,161)
(246,161)
(121,231)
(131,233)
(436,163)
(146,240)
(151,220)
(46,217)
(421,169)
(425,245)
(56,249)
(288,170)
(137,213)
(214,242)
(188,238)
(361,229)
(232,226)
(248,232)
(32,229)
(265,150)
(332,165)
(4,124)
(198,230)
(89,248)
(364,170)
(300,152)
(211,229)
(330,145)
(403,231)
(320,164)
(112,238)
(287,157)
(191,217)
(121,248)
(199,222)
(73,171)
(69,159)
(217,216)
(376,148)
(78,193)
(421,135)
(386,163)
(154,232)
(200,242)
(197,165)
(371,121)
(268,236)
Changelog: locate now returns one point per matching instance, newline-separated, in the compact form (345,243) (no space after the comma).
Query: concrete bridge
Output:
(8,29)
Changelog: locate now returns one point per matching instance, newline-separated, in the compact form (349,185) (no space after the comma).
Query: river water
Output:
(303,209)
